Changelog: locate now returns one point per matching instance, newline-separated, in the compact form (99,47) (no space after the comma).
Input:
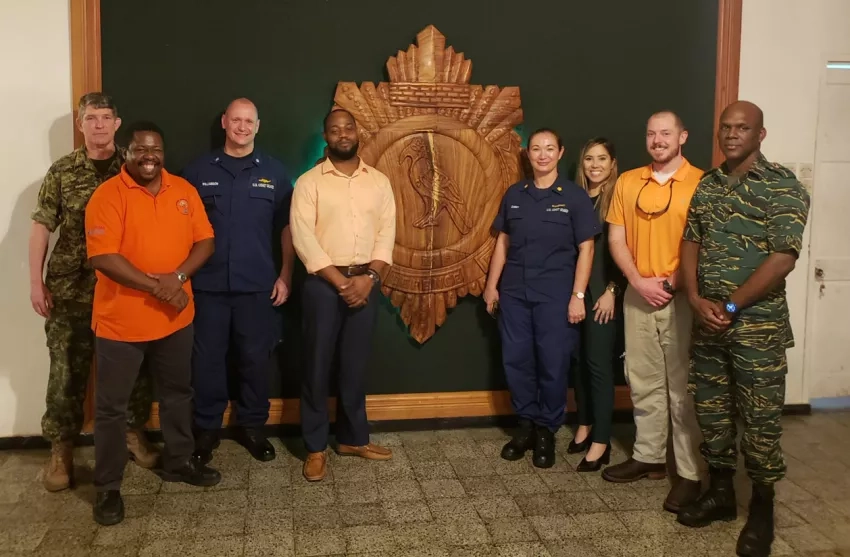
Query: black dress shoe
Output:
(594,465)
(108,507)
(544,448)
(193,473)
(257,444)
(523,440)
(574,447)
(206,441)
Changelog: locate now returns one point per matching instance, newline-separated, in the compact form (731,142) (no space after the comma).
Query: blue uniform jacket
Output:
(246,199)
(545,227)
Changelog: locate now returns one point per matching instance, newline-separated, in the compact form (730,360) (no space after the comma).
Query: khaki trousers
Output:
(657,364)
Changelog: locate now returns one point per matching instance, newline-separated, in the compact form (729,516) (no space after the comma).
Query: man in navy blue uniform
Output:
(246,194)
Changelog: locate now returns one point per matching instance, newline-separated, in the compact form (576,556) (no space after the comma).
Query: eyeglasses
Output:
(653,213)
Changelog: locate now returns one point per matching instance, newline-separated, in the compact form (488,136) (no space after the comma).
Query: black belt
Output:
(353,270)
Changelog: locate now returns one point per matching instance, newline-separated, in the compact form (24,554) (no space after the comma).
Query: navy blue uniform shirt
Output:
(246,199)
(545,227)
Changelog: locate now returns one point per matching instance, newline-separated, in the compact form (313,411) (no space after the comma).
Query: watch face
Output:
(731,307)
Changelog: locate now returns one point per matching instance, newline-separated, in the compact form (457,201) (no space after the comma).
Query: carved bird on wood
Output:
(438,191)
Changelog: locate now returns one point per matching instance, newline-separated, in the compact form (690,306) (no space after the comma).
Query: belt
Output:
(353,270)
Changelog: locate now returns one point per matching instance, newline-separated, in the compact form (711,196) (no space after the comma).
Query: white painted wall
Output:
(35,93)
(784,46)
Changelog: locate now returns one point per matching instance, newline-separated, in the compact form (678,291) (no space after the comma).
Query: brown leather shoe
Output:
(633,470)
(142,452)
(315,467)
(683,493)
(370,452)
(59,472)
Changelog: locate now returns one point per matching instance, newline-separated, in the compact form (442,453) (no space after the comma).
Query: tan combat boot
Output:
(141,451)
(59,472)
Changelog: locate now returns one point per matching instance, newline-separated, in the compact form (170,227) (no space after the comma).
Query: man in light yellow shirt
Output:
(343,219)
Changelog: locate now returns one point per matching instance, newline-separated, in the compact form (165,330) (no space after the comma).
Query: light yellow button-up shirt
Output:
(342,220)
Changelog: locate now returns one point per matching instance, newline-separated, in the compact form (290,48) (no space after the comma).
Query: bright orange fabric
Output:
(155,234)
(654,240)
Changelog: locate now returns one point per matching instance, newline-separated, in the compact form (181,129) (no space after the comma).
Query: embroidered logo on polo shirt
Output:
(183,206)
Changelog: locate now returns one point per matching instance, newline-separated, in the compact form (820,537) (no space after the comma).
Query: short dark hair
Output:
(95,99)
(546,130)
(678,119)
(332,112)
(141,126)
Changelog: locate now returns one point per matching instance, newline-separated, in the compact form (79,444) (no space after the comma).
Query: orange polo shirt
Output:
(155,234)
(652,234)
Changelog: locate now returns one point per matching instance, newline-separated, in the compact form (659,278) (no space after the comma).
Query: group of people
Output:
(158,274)
(693,265)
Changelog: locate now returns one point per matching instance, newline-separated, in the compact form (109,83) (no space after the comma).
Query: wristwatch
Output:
(612,288)
(668,287)
(579,295)
(373,274)
(181,275)
(731,307)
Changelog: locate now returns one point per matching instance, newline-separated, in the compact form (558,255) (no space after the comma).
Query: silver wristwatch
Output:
(182,276)
(373,274)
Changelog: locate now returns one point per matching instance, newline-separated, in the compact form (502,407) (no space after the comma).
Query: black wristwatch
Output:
(668,288)
(373,274)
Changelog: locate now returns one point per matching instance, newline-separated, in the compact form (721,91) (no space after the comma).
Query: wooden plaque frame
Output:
(86,76)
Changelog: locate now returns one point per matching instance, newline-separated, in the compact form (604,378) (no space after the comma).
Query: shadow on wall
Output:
(24,362)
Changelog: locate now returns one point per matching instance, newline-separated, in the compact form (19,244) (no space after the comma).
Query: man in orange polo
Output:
(647,218)
(146,234)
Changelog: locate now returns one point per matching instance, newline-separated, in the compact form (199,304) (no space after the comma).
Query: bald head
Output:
(241,123)
(740,132)
(242,104)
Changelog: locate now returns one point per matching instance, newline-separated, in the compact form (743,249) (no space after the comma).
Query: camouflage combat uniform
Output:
(70,279)
(738,224)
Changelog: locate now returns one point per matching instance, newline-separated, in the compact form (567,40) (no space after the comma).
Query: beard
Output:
(344,154)
(666,156)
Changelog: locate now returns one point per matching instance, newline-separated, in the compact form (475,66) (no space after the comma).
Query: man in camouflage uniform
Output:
(743,236)
(64,297)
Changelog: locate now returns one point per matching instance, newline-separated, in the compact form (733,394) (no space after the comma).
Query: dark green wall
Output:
(585,68)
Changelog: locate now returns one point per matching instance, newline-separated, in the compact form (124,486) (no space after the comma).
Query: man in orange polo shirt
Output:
(146,233)
(647,218)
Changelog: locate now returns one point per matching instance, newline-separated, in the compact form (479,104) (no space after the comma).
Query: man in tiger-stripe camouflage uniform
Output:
(742,239)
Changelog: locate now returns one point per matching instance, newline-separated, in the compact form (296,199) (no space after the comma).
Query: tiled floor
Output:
(446,493)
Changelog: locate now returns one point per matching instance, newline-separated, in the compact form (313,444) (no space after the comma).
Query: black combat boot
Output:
(523,440)
(108,507)
(757,536)
(717,503)
(544,448)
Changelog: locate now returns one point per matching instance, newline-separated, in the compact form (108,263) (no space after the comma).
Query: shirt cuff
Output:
(318,263)
(43,218)
(384,255)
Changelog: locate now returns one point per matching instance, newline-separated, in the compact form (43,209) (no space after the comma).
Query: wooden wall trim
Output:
(85,53)
(730,13)
(414,406)
(86,77)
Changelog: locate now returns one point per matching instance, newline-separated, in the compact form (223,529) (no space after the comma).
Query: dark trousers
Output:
(537,343)
(118,364)
(330,324)
(249,319)
(594,379)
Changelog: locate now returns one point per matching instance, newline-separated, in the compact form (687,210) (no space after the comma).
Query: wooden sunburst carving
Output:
(450,151)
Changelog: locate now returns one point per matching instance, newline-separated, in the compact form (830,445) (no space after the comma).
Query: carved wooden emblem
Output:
(450,150)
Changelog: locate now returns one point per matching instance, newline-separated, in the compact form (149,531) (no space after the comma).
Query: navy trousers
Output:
(330,325)
(248,319)
(537,344)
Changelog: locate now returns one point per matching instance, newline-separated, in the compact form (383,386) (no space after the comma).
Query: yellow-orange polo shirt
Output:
(654,239)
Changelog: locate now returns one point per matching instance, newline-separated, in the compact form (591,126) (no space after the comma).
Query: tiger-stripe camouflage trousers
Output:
(741,372)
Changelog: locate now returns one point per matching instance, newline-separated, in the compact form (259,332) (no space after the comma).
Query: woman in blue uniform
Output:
(594,386)
(538,275)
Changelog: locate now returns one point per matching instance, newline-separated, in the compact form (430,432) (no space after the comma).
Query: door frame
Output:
(811,282)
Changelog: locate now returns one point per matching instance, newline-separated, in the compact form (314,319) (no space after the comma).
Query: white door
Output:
(827,338)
